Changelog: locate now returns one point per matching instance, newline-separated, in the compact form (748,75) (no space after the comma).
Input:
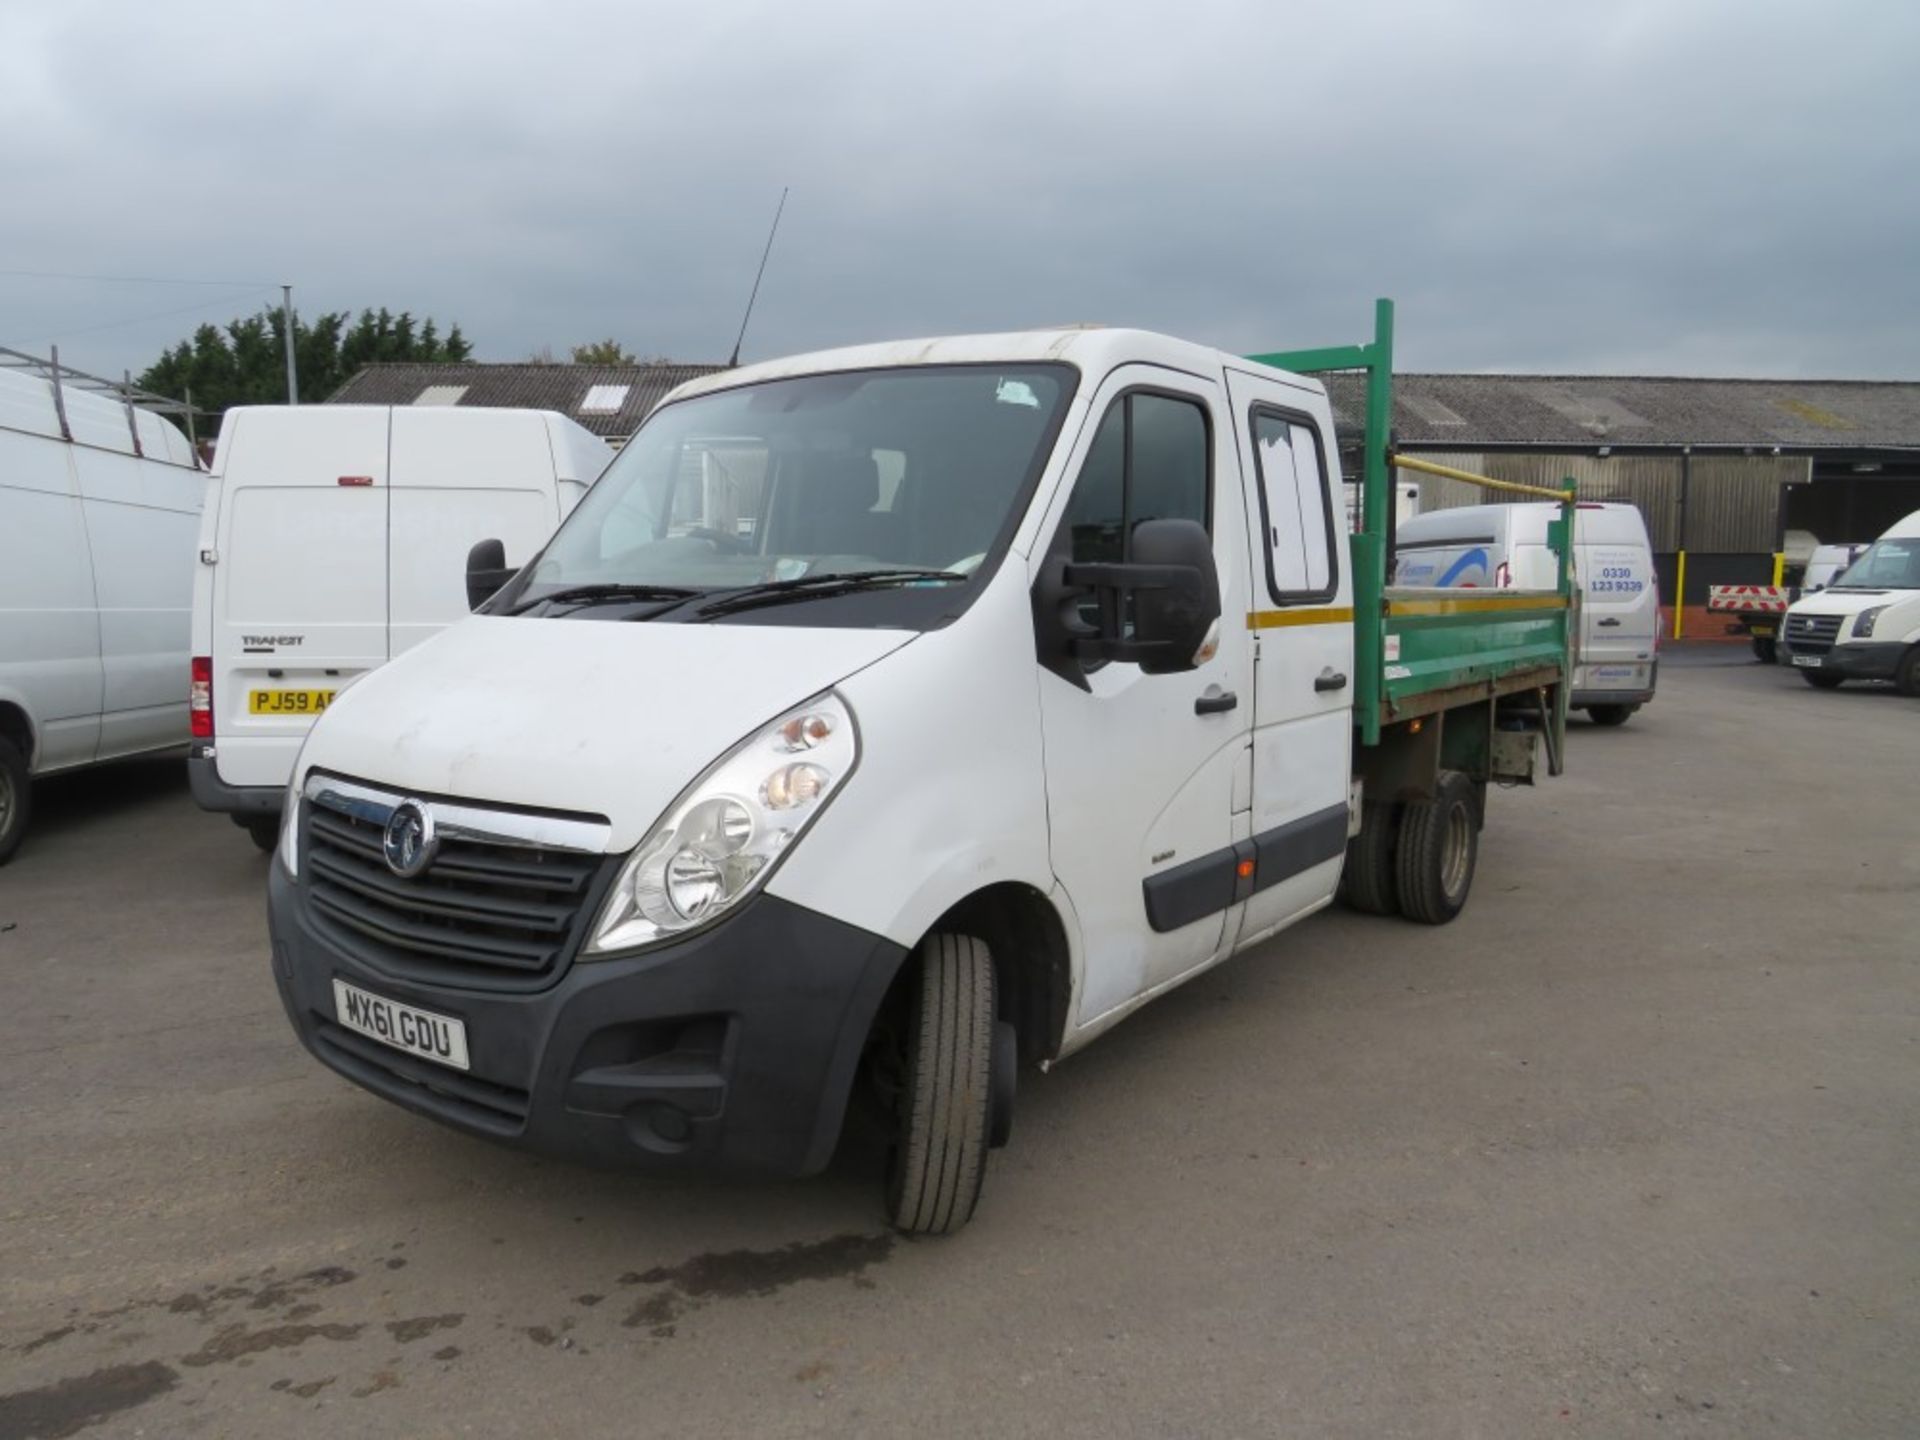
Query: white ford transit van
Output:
(99,506)
(1502,546)
(335,538)
(1866,624)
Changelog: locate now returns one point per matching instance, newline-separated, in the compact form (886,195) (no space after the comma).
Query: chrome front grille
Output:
(1812,634)
(501,905)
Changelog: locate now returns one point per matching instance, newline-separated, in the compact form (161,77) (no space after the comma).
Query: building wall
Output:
(1720,504)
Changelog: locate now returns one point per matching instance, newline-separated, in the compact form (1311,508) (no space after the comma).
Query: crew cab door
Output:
(1301,616)
(1147,774)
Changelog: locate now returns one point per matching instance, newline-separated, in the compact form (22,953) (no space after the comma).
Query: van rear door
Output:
(300,590)
(462,476)
(1619,600)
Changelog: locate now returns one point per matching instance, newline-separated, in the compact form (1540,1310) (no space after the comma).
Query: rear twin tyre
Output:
(1438,846)
(1368,881)
(955,1103)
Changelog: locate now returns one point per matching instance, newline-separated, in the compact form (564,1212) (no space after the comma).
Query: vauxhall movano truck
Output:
(894,717)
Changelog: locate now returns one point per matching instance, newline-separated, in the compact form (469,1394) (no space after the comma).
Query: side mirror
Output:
(487,571)
(1154,610)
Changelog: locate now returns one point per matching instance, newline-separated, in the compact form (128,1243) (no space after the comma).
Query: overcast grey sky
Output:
(1665,186)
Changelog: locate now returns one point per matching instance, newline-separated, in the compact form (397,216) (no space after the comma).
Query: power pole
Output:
(286,325)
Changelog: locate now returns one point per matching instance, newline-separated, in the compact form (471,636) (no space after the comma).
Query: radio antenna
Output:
(734,359)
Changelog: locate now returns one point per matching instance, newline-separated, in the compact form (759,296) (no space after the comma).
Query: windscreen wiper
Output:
(813,587)
(609,590)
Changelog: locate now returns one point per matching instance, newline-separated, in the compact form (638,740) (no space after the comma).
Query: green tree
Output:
(604,352)
(245,363)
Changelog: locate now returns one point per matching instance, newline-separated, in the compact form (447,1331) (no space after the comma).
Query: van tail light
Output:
(200,698)
(1502,576)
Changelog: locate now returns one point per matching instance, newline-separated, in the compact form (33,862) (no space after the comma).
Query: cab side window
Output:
(1298,513)
(1150,460)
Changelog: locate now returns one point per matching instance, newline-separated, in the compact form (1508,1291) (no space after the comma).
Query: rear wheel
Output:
(1821,681)
(1764,649)
(1368,880)
(945,1122)
(264,831)
(1906,676)
(16,798)
(1610,714)
(1439,844)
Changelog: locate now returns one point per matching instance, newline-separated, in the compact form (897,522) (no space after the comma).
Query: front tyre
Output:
(944,1128)
(16,798)
(1439,845)
(1906,676)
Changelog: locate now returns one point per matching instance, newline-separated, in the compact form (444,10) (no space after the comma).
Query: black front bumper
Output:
(1852,661)
(731,1051)
(210,792)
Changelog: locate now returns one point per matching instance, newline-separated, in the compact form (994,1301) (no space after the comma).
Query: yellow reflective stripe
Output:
(1476,605)
(1325,615)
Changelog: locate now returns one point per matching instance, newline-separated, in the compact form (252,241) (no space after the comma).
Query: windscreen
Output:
(1887,565)
(911,469)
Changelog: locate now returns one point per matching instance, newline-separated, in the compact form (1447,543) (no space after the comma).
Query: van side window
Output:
(1294,502)
(1149,461)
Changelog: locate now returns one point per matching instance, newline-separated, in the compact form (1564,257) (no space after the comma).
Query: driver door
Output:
(1149,776)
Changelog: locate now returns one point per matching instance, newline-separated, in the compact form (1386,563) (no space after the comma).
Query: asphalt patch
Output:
(69,1406)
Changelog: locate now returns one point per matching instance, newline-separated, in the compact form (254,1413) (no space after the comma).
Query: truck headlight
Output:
(288,850)
(726,832)
(1863,622)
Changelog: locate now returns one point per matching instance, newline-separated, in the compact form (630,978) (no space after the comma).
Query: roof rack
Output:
(65,377)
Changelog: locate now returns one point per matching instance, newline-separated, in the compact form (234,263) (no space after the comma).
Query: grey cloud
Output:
(1684,187)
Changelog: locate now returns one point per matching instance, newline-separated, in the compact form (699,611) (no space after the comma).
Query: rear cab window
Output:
(1295,506)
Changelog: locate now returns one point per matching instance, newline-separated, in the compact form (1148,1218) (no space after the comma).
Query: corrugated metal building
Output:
(1732,472)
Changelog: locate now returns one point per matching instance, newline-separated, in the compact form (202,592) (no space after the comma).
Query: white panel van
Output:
(96,567)
(336,537)
(1505,546)
(1866,624)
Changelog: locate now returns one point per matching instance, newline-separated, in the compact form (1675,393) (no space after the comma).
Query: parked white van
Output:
(1866,624)
(336,537)
(1504,546)
(99,504)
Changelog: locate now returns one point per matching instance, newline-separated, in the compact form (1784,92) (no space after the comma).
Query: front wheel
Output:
(1906,676)
(1821,681)
(1610,714)
(16,798)
(945,1123)
(1439,844)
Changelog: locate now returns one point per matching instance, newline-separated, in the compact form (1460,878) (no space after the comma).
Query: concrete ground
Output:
(1631,1149)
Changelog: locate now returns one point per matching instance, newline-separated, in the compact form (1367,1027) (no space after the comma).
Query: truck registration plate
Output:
(439,1038)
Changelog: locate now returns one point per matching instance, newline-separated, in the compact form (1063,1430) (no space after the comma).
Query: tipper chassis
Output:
(1446,680)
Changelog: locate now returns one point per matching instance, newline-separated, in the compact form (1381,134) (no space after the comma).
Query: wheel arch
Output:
(1032,959)
(16,724)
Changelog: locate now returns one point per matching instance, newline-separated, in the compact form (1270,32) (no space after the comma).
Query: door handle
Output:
(1611,620)
(1329,679)
(1217,703)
